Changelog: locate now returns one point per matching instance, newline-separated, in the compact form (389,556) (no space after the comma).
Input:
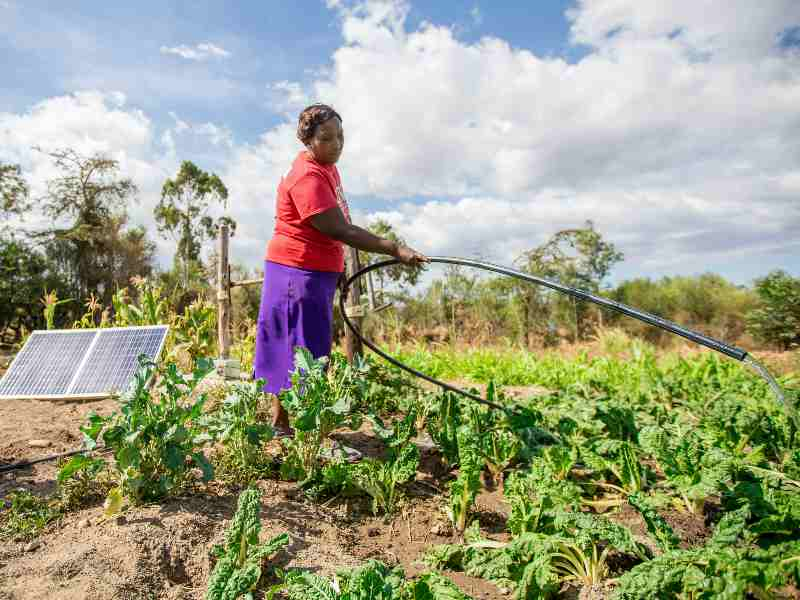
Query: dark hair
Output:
(311,117)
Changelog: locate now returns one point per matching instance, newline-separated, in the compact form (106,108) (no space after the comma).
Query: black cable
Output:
(648,318)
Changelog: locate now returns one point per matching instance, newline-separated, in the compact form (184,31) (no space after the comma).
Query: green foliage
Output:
(657,527)
(195,331)
(443,422)
(155,437)
(538,494)
(576,257)
(28,515)
(237,426)
(317,404)
(468,483)
(777,319)
(83,481)
(499,447)
(151,307)
(371,581)
(240,559)
(731,565)
(25,274)
(693,470)
(382,479)
(13,190)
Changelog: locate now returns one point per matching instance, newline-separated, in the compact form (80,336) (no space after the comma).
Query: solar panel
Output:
(80,363)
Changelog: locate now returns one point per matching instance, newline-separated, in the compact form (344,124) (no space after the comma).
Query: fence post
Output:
(352,345)
(223,295)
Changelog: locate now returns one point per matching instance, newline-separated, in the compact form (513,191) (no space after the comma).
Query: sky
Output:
(478,129)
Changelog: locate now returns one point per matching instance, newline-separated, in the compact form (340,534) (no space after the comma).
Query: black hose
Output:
(27,463)
(645,317)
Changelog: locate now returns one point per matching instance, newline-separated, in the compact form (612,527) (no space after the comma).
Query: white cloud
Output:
(198,52)
(89,122)
(286,96)
(218,135)
(678,134)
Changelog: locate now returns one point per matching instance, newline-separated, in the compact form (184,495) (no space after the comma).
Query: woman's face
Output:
(327,142)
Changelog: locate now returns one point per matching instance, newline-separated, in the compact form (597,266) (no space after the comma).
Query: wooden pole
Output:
(352,345)
(223,295)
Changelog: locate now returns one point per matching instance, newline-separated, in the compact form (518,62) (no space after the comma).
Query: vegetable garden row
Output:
(657,442)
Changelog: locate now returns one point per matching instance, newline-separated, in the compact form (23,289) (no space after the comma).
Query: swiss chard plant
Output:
(498,446)
(240,560)
(155,436)
(237,425)
(468,483)
(371,581)
(317,406)
(693,470)
(381,479)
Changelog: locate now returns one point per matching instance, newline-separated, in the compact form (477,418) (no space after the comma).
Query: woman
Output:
(305,256)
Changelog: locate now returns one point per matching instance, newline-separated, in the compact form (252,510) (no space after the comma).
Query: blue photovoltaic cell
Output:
(112,361)
(80,362)
(46,364)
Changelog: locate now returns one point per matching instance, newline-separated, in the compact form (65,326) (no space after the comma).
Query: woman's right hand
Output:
(409,257)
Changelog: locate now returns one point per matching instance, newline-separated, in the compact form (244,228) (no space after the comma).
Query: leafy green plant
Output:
(466,486)
(240,559)
(498,446)
(237,426)
(657,527)
(536,495)
(693,470)
(28,515)
(444,419)
(83,481)
(152,307)
(382,479)
(371,581)
(155,437)
(316,408)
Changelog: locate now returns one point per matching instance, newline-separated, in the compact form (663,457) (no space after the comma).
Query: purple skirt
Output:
(296,310)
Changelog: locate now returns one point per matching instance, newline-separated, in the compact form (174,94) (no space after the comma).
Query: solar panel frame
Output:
(84,361)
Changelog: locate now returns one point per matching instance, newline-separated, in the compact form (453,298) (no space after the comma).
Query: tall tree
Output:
(13,190)
(183,212)
(87,203)
(576,257)
(777,319)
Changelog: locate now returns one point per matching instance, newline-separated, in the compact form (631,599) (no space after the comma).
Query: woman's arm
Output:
(333,224)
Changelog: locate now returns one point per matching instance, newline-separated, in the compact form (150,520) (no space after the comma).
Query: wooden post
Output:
(352,345)
(223,296)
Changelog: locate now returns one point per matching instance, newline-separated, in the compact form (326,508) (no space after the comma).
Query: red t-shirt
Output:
(309,188)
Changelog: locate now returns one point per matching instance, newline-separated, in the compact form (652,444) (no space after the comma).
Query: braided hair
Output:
(312,116)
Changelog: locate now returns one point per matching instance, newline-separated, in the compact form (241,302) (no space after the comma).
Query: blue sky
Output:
(476,128)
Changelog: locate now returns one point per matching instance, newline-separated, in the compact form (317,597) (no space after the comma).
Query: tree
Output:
(777,320)
(182,212)
(89,249)
(25,274)
(13,190)
(578,258)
